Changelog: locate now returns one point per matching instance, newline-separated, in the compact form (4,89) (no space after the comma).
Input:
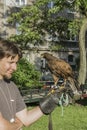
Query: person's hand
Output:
(18,124)
(6,125)
(48,104)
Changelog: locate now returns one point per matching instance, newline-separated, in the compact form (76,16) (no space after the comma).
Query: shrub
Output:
(26,75)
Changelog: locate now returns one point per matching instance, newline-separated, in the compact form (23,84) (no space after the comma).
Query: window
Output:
(71,36)
(43,63)
(50,4)
(44,66)
(21,2)
(70,58)
(17,30)
(17,2)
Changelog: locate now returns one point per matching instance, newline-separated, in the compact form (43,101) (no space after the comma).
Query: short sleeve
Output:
(20,104)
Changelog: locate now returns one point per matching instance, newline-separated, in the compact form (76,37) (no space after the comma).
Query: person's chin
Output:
(8,76)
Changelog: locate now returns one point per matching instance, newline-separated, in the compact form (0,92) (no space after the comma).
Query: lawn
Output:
(74,117)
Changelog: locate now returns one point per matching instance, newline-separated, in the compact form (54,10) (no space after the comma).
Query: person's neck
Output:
(1,77)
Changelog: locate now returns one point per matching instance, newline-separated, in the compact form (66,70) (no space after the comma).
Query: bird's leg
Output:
(55,80)
(65,81)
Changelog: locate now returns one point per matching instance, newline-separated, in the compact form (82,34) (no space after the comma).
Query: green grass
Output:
(74,118)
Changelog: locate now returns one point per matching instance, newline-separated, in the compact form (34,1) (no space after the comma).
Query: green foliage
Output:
(75,26)
(38,20)
(27,18)
(81,6)
(56,47)
(26,75)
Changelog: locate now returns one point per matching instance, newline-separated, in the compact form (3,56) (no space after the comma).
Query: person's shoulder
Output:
(13,84)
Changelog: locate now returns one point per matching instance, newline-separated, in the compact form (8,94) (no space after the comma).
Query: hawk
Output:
(60,68)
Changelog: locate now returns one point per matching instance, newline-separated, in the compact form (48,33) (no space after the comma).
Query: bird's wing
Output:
(60,67)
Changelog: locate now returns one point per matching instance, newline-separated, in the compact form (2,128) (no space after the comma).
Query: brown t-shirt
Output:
(11,101)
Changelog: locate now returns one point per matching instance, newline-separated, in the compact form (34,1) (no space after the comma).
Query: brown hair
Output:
(8,48)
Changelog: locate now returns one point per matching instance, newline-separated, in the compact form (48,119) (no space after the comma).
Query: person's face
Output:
(7,66)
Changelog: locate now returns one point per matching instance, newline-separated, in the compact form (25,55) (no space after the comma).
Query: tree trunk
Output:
(82,48)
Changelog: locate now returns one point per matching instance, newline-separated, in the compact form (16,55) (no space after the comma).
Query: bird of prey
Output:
(60,68)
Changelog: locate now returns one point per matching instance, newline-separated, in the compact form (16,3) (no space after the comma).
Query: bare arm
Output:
(46,106)
(29,117)
(6,125)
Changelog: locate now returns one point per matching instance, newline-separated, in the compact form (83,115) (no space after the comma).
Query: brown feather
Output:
(58,67)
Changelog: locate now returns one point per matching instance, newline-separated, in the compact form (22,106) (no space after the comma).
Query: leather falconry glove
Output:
(48,104)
